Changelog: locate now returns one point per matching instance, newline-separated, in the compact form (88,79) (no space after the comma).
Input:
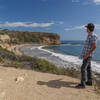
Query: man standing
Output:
(89,47)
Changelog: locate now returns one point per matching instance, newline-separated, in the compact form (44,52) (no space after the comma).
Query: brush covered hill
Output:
(20,37)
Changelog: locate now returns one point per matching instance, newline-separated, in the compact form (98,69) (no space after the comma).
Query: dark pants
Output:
(86,70)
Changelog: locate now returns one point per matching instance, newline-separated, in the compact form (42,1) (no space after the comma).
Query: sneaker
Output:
(88,83)
(80,86)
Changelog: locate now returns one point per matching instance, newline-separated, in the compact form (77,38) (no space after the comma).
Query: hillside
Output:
(20,37)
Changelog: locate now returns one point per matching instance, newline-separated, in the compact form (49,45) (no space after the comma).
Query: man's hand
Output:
(86,56)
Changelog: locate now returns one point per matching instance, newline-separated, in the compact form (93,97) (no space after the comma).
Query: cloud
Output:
(26,24)
(88,2)
(58,22)
(44,0)
(97,26)
(96,1)
(75,0)
(75,28)
(61,22)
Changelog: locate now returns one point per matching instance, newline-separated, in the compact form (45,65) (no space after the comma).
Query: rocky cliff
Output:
(19,37)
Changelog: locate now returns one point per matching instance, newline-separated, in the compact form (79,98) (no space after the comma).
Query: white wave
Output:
(71,59)
(34,47)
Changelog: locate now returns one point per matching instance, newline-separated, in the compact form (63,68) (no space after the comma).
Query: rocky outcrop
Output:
(20,37)
(51,39)
(4,38)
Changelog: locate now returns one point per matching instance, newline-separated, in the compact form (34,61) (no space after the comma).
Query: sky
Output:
(64,17)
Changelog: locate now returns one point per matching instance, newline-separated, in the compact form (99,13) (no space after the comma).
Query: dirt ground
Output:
(18,84)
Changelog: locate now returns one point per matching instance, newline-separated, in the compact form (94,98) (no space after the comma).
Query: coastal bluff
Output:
(20,37)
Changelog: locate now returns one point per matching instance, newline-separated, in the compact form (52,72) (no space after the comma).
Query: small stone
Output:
(19,79)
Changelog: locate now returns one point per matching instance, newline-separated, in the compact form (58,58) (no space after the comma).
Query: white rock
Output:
(19,79)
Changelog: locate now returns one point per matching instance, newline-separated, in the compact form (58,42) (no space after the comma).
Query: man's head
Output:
(90,27)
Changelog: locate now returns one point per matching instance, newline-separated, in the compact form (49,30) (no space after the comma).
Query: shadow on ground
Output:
(57,83)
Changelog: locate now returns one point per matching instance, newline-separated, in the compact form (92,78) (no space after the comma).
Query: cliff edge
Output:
(20,37)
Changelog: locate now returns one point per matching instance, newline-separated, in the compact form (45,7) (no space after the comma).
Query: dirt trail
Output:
(17,84)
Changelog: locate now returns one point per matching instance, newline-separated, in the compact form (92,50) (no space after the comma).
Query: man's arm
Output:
(94,45)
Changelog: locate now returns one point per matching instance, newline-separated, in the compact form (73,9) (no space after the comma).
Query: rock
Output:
(4,38)
(19,79)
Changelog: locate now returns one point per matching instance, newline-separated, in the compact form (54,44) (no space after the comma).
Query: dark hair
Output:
(90,26)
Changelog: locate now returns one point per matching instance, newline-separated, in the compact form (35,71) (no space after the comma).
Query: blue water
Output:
(74,48)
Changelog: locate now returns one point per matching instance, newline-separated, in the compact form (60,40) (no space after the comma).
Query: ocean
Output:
(74,48)
(65,55)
